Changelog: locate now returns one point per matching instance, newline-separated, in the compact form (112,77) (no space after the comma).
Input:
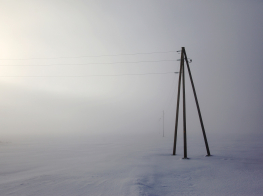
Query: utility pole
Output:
(184,112)
(178,104)
(182,77)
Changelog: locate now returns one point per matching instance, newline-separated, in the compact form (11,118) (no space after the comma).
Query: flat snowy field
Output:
(131,165)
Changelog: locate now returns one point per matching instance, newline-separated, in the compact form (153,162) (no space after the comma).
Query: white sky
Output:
(224,39)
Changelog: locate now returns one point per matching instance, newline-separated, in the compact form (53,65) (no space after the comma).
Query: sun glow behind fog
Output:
(61,30)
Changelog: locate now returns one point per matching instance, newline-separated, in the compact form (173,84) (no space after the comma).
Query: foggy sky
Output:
(224,39)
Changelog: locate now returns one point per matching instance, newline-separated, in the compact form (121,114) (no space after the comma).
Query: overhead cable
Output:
(86,75)
(125,62)
(124,54)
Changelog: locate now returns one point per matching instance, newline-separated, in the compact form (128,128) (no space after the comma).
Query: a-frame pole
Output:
(178,103)
(163,123)
(197,104)
(184,107)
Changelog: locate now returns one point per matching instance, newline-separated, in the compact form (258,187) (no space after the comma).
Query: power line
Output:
(86,75)
(133,62)
(125,54)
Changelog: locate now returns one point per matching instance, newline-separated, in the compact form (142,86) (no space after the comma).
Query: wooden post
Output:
(178,103)
(197,105)
(184,107)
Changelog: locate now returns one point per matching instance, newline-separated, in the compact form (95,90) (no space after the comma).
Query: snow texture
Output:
(131,165)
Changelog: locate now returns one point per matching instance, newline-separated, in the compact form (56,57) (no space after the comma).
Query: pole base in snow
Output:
(185,158)
(208,155)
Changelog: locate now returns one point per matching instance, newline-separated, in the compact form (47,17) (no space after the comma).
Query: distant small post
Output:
(163,123)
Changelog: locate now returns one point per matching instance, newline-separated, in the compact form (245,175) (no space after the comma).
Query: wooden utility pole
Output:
(182,77)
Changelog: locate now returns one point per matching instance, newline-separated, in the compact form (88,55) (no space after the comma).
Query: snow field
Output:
(131,165)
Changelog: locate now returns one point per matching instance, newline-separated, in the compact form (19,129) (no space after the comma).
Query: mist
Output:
(46,91)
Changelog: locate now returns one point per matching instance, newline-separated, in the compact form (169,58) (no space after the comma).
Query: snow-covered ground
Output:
(131,165)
